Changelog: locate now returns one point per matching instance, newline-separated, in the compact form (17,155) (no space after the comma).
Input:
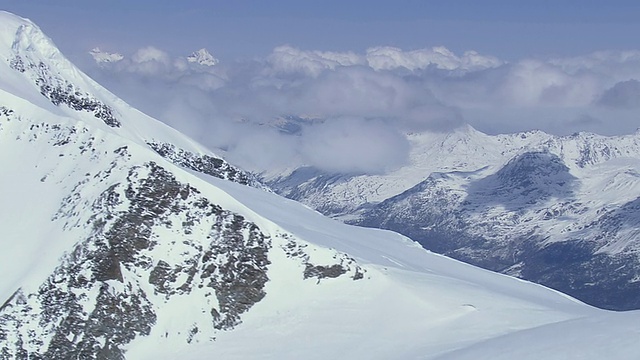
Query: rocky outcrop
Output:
(340,265)
(205,164)
(62,92)
(98,298)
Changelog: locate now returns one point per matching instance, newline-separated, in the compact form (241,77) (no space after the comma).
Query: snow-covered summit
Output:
(202,57)
(16,32)
(35,70)
(101,57)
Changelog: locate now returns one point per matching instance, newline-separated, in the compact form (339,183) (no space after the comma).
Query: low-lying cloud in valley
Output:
(347,112)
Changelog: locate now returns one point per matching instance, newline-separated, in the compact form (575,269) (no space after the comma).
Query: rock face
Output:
(57,90)
(560,211)
(106,290)
(205,164)
(142,242)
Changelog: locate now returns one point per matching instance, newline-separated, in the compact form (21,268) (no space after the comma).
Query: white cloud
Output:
(362,92)
(353,145)
(347,101)
(536,83)
(287,59)
(150,54)
(262,148)
(148,61)
(390,58)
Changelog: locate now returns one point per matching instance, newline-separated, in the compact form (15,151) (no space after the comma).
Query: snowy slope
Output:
(35,70)
(121,238)
(571,339)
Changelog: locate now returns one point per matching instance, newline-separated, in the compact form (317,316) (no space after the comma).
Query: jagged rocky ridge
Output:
(560,211)
(94,302)
(60,91)
(27,60)
(205,164)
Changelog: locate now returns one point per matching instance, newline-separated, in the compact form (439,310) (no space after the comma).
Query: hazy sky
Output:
(359,72)
(504,28)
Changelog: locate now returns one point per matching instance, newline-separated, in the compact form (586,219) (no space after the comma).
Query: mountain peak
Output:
(20,34)
(46,78)
(101,57)
(202,57)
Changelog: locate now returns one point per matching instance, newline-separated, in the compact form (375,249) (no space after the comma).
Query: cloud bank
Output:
(347,112)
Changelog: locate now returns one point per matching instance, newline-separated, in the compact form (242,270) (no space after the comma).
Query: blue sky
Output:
(507,29)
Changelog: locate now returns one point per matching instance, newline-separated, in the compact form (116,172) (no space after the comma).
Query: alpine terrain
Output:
(120,238)
(562,211)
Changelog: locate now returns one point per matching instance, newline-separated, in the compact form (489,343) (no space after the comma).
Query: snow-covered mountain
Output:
(202,57)
(559,210)
(122,238)
(102,57)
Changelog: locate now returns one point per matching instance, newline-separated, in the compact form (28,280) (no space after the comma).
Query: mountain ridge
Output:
(498,200)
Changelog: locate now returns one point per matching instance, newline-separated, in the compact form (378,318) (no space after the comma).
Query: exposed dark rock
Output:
(4,111)
(161,277)
(203,163)
(321,272)
(241,275)
(89,307)
(17,64)
(60,91)
(343,263)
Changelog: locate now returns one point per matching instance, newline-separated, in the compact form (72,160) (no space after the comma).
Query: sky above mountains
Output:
(503,28)
(359,74)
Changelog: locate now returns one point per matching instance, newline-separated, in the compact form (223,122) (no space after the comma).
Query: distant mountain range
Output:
(562,211)
(200,57)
